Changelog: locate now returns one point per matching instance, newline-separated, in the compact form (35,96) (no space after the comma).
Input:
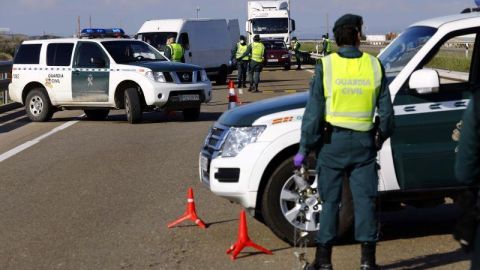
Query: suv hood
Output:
(166,66)
(245,115)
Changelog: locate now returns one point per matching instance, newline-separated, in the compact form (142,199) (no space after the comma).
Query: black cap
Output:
(242,37)
(349,19)
(256,38)
(294,38)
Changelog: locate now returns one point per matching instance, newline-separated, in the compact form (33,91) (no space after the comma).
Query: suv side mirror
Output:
(424,81)
(98,62)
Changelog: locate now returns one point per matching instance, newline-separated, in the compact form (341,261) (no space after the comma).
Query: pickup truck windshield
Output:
(403,48)
(270,25)
(124,52)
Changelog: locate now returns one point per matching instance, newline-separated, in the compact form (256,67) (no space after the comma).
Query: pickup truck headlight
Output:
(238,138)
(155,76)
(203,75)
(286,55)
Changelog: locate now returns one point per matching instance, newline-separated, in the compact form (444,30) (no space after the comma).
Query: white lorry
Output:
(207,42)
(270,20)
(247,155)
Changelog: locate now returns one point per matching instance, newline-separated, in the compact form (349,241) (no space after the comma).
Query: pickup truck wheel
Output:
(38,106)
(96,114)
(191,114)
(287,211)
(133,108)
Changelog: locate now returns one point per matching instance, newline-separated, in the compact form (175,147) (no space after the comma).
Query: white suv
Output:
(102,73)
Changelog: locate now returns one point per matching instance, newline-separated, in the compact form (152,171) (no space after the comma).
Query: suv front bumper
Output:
(178,96)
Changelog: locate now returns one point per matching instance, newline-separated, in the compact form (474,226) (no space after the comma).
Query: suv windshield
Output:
(270,25)
(274,45)
(131,51)
(399,53)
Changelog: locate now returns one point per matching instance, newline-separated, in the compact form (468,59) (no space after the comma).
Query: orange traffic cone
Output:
(190,213)
(243,239)
(232,96)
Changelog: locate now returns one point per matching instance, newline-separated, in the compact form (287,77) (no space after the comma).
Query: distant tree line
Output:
(8,45)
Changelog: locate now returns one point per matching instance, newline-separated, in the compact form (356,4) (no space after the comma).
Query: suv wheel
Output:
(287,212)
(96,114)
(191,114)
(133,107)
(38,106)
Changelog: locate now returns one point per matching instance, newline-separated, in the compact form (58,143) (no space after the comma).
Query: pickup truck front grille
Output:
(185,76)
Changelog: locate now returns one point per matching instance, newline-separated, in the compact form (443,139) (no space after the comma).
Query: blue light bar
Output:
(101,32)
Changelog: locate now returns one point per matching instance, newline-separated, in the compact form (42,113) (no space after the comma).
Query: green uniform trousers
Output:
(350,154)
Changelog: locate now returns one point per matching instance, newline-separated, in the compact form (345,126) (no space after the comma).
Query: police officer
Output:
(327,45)
(242,62)
(174,51)
(296,51)
(338,123)
(467,167)
(256,50)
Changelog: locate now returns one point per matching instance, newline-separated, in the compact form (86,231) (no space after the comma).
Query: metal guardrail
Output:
(5,78)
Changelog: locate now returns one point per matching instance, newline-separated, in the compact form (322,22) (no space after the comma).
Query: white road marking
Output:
(30,143)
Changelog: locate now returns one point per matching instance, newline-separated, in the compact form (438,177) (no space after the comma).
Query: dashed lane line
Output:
(31,143)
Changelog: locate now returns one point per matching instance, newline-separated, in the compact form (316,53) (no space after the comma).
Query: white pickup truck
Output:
(431,68)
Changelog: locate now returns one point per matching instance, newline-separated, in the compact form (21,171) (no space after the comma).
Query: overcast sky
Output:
(59,17)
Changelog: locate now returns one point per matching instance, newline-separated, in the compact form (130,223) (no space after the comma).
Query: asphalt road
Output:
(99,195)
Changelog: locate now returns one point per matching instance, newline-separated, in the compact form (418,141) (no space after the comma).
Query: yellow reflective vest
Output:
(351,89)
(258,50)
(241,49)
(177,52)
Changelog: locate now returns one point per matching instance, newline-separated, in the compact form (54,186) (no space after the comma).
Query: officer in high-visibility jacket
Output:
(174,51)
(256,51)
(327,45)
(296,52)
(467,163)
(338,124)
(242,62)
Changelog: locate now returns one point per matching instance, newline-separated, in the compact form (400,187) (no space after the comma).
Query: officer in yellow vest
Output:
(338,124)
(256,50)
(296,52)
(327,45)
(174,51)
(242,62)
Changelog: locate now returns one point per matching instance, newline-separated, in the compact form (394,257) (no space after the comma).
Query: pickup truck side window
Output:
(454,59)
(28,54)
(59,54)
(87,55)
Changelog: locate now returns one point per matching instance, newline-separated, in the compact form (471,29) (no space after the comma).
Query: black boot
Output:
(368,256)
(323,259)
(250,89)
(256,89)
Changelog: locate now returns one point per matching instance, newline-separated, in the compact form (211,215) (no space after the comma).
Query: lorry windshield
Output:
(270,25)
(403,48)
(157,39)
(131,51)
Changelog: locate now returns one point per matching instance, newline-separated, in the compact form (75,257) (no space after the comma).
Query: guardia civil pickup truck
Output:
(431,69)
(103,70)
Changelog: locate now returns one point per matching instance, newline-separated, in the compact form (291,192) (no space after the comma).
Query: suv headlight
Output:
(155,76)
(238,138)
(203,75)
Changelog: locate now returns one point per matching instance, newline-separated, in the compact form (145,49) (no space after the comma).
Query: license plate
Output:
(204,163)
(189,98)
(272,60)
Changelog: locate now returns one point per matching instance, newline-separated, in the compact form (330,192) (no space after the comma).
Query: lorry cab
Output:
(206,42)
(431,68)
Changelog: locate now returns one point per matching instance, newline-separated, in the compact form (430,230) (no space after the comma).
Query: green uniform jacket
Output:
(314,115)
(467,165)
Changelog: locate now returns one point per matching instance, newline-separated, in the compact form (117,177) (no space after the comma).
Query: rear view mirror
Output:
(425,81)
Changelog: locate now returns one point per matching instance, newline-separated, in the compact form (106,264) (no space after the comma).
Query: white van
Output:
(207,42)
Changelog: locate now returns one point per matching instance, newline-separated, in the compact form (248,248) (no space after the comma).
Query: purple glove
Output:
(298,160)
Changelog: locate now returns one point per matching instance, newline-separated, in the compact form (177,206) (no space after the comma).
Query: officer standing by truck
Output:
(346,90)
(467,166)
(296,52)
(327,45)
(242,62)
(174,51)
(256,50)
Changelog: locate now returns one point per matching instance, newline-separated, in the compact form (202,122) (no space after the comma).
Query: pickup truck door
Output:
(422,144)
(90,73)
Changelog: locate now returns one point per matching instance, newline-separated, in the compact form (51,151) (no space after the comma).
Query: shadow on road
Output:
(429,261)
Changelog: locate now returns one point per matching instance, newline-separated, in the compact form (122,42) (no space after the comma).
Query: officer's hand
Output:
(298,160)
(379,140)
